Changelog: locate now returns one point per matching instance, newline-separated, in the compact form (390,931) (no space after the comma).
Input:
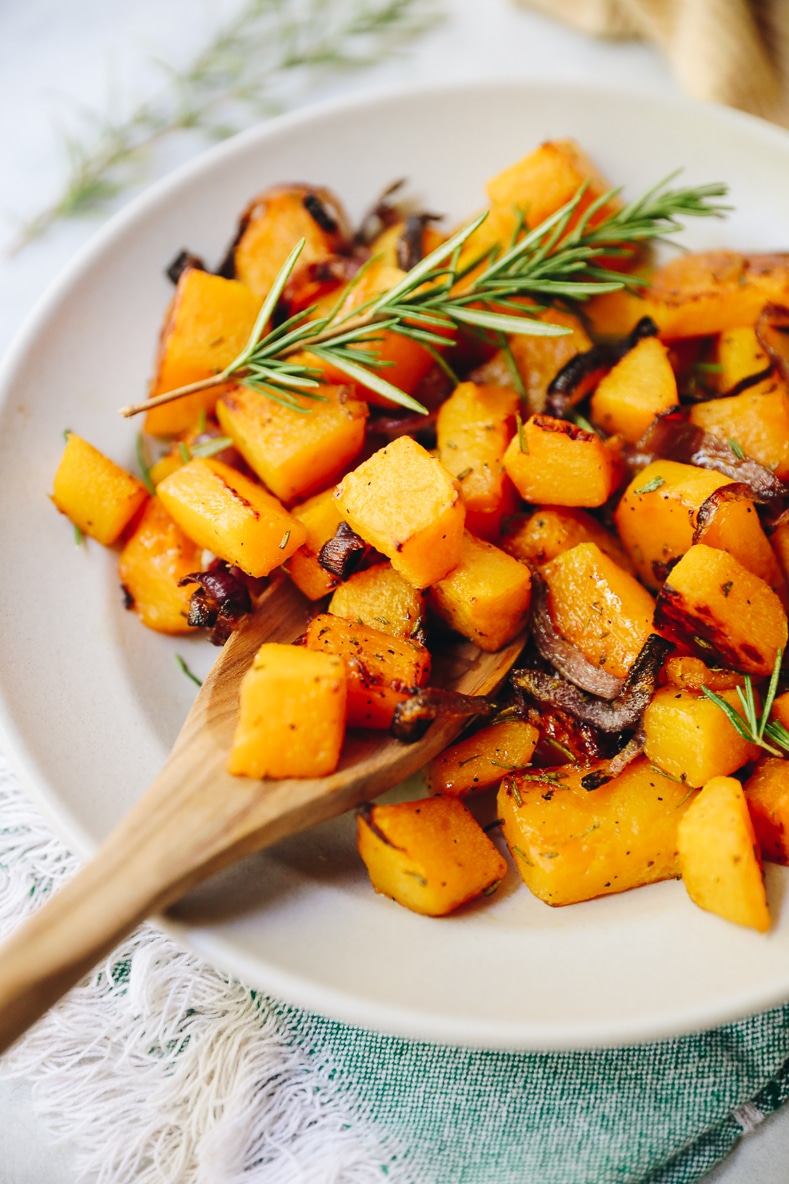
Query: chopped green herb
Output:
(419,878)
(560,748)
(284,542)
(543,775)
(211,447)
(491,888)
(652,485)
(727,587)
(66,434)
(78,535)
(736,448)
(521,855)
(582,422)
(144,466)
(466,760)
(184,451)
(185,670)
(509,768)
(201,421)
(516,793)
(524,447)
(708,367)
(466,472)
(550,854)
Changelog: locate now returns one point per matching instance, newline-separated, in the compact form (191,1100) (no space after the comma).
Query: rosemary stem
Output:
(203,384)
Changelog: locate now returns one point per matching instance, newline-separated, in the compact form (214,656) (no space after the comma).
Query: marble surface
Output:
(55,57)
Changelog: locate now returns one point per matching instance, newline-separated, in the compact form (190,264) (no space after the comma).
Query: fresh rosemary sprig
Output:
(233,80)
(553,261)
(755,728)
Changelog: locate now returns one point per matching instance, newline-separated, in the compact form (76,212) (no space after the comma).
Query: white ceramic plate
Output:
(92,701)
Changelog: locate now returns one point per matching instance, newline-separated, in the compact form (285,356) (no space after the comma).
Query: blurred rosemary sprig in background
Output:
(231,82)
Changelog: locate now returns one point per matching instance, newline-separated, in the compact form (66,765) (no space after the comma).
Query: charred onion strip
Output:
(736,492)
(413,716)
(182,262)
(772,333)
(220,601)
(410,250)
(342,555)
(673,436)
(619,714)
(582,372)
(562,654)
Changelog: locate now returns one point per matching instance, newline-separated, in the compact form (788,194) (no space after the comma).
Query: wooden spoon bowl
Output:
(196,819)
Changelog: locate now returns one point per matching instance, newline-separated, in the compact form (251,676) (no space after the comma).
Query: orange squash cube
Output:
(207,326)
(294,453)
(767,795)
(474,427)
(639,387)
(154,559)
(571,843)
(688,736)
(739,356)
(97,495)
(486,597)
(320,518)
(482,760)
(405,504)
(552,460)
(431,856)
(382,670)
(225,512)
(275,221)
(758,420)
(713,291)
(719,855)
(713,603)
(381,598)
(553,529)
(600,608)
(291,714)
(658,514)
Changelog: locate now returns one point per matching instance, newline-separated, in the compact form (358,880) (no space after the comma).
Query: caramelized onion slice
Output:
(220,601)
(772,332)
(343,553)
(738,491)
(582,372)
(619,714)
(413,716)
(673,436)
(562,654)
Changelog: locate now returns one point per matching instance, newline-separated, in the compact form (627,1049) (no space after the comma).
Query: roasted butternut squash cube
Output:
(474,427)
(599,607)
(320,518)
(713,291)
(542,182)
(552,460)
(225,512)
(767,795)
(382,670)
(537,359)
(719,855)
(405,504)
(291,714)
(713,603)
(691,674)
(430,855)
(658,514)
(151,564)
(207,325)
(275,221)
(295,452)
(486,597)
(757,420)
(739,356)
(780,710)
(614,314)
(97,495)
(688,736)
(571,843)
(639,387)
(483,759)
(380,597)
(553,529)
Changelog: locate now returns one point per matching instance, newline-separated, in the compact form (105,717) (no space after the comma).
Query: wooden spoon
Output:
(196,819)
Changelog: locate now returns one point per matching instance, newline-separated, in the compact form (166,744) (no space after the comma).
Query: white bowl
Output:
(91,701)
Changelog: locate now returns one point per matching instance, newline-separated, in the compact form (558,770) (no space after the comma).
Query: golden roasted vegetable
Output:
(320,517)
(553,529)
(97,495)
(600,608)
(155,558)
(552,460)
(486,597)
(713,291)
(639,387)
(480,761)
(757,420)
(719,855)
(767,795)
(405,504)
(717,606)
(381,598)
(739,356)
(430,856)
(576,833)
(382,670)
(231,516)
(688,736)
(207,325)
(291,714)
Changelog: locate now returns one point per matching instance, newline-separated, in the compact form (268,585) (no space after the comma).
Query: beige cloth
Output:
(727,51)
